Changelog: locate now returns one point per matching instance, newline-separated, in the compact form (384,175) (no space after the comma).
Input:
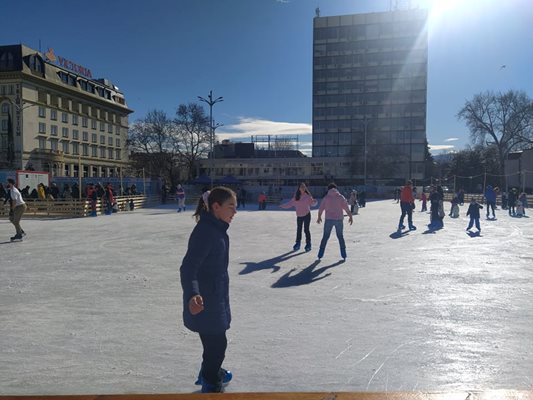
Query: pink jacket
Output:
(302,206)
(334,204)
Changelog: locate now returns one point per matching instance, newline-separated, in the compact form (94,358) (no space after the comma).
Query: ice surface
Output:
(93,305)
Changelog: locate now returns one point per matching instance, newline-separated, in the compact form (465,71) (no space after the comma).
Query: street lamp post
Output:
(211,103)
(365,125)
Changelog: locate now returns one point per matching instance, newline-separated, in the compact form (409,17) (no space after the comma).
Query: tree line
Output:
(499,123)
(167,146)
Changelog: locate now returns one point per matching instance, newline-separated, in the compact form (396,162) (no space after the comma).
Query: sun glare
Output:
(453,14)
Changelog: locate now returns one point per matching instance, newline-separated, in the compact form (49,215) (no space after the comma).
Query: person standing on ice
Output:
(205,283)
(407,202)
(180,198)
(302,202)
(333,204)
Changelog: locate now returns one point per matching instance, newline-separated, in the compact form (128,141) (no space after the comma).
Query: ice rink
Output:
(93,305)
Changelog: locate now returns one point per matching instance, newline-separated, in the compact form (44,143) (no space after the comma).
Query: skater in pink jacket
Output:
(333,204)
(302,202)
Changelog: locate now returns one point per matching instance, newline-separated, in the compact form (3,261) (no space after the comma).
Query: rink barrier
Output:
(473,395)
(77,208)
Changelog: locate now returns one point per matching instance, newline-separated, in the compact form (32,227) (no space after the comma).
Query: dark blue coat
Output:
(204,271)
(473,210)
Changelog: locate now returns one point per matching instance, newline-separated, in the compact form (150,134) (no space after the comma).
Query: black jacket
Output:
(204,271)
(473,210)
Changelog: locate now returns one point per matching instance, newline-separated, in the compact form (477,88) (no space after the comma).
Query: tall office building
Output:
(55,117)
(369,92)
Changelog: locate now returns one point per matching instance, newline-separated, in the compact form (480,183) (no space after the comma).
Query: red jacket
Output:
(406,195)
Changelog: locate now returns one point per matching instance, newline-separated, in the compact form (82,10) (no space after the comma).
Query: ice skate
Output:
(308,247)
(224,375)
(17,237)
(296,246)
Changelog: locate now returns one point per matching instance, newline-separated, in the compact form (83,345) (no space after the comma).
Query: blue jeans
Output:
(328,226)
(471,223)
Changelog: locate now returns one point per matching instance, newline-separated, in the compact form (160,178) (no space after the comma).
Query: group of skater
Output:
(204,269)
(406,196)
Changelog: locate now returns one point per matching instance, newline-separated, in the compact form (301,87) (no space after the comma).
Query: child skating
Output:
(473,212)
(302,202)
(205,284)
(333,204)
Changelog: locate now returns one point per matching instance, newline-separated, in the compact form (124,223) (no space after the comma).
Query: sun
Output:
(450,14)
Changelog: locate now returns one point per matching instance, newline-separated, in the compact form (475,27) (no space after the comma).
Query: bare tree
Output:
(154,144)
(192,127)
(502,120)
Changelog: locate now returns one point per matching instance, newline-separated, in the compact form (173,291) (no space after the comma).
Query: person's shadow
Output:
(398,234)
(271,263)
(305,276)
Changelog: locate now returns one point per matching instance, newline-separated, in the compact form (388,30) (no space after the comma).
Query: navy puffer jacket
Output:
(204,271)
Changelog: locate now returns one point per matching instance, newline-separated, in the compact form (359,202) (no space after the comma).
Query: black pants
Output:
(491,205)
(305,221)
(213,356)
(407,209)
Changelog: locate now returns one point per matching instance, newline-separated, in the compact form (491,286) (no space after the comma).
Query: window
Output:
(85,150)
(53,130)
(42,127)
(117,154)
(117,143)
(42,143)
(75,148)
(64,117)
(109,128)
(94,138)
(85,136)
(93,124)
(94,151)
(53,144)
(65,147)
(110,153)
(84,122)
(64,132)
(74,120)
(4,124)
(102,126)
(75,134)
(102,139)
(53,115)
(42,112)
(5,108)
(110,141)
(102,152)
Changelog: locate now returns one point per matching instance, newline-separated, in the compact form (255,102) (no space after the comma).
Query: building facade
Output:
(55,117)
(369,92)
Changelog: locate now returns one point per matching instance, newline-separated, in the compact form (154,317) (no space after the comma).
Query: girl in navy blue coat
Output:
(205,284)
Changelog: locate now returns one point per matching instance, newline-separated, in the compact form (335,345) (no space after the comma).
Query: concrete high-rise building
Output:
(369,92)
(55,117)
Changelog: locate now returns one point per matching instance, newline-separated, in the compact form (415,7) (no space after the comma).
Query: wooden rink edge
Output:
(464,395)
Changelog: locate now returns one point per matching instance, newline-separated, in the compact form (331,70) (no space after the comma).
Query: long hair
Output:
(298,194)
(218,195)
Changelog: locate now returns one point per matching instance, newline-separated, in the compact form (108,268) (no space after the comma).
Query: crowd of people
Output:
(515,203)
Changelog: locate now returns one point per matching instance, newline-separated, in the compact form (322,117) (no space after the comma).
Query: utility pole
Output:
(211,103)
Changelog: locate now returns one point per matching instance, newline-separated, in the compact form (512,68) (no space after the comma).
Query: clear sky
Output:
(257,54)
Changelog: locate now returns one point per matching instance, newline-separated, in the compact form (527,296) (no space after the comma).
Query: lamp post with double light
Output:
(211,102)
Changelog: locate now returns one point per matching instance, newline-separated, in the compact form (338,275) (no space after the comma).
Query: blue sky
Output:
(257,54)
